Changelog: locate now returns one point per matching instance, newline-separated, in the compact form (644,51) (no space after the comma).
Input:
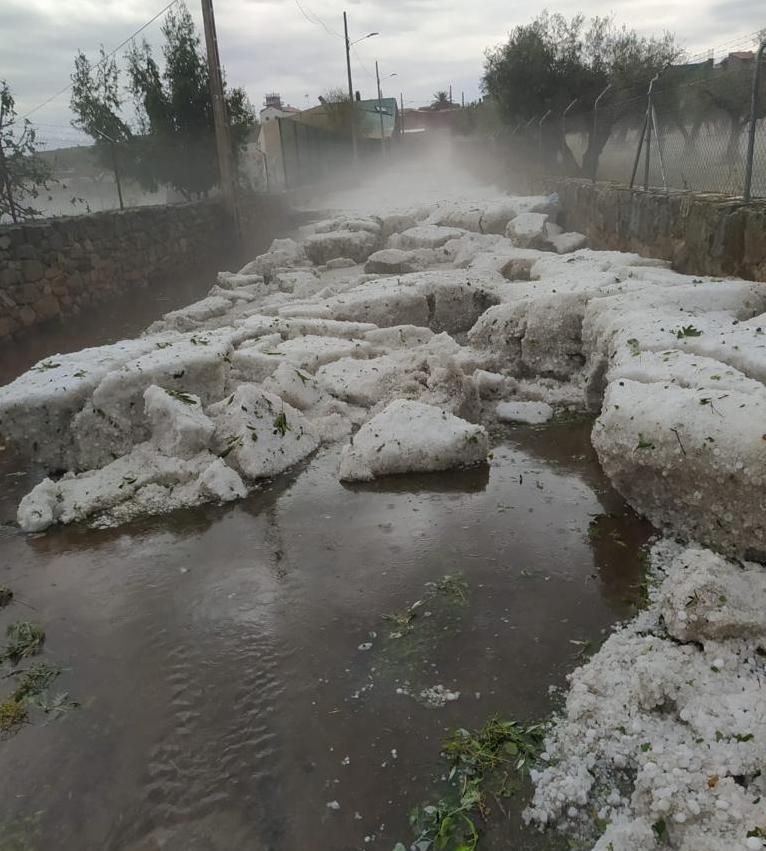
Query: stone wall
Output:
(700,234)
(55,267)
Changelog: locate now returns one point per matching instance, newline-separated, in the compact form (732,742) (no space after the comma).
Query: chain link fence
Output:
(698,127)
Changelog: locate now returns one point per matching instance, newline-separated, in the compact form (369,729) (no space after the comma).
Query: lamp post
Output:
(349,45)
(380,106)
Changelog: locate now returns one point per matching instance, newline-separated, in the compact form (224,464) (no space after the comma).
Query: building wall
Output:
(55,267)
(700,234)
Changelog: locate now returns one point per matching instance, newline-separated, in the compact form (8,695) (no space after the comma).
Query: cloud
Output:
(285,46)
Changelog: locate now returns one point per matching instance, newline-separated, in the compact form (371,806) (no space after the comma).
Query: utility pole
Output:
(352,105)
(380,111)
(450,94)
(222,135)
(401,110)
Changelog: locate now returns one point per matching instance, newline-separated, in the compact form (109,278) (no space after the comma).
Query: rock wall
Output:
(55,267)
(700,234)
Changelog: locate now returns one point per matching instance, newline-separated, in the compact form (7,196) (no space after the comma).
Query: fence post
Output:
(650,121)
(540,136)
(753,122)
(646,136)
(564,117)
(595,125)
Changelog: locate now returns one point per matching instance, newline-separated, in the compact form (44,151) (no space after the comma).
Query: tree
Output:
(548,64)
(96,104)
(728,90)
(338,112)
(23,174)
(175,113)
(441,100)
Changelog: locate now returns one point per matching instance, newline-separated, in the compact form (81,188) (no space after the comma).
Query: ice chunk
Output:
(298,388)
(259,434)
(220,482)
(113,420)
(178,424)
(445,301)
(349,223)
(190,317)
(310,352)
(488,383)
(458,215)
(565,243)
(396,223)
(398,336)
(302,283)
(281,254)
(146,479)
(424,236)
(498,213)
(691,460)
(708,598)
(358,245)
(340,263)
(36,409)
(412,437)
(528,230)
(524,412)
(392,261)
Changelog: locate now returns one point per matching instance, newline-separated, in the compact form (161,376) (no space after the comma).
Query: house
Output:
(274,108)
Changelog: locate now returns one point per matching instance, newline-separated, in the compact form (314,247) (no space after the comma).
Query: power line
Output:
(363,66)
(317,21)
(101,61)
(736,42)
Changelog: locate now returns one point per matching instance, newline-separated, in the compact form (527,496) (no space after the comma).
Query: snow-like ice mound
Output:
(412,437)
(532,413)
(259,434)
(692,460)
(661,738)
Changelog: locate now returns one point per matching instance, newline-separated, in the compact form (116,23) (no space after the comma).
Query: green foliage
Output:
(23,174)
(186,398)
(32,690)
(482,763)
(12,715)
(96,101)
(552,61)
(34,681)
(281,426)
(688,331)
(498,745)
(441,100)
(447,825)
(24,639)
(175,113)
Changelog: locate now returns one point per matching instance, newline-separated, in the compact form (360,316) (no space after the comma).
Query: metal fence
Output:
(311,154)
(698,127)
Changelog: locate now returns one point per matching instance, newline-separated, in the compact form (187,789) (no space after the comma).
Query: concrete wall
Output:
(55,267)
(700,234)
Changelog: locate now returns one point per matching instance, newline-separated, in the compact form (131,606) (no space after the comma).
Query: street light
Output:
(380,106)
(349,45)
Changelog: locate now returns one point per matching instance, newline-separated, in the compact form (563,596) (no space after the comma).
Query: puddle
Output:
(225,700)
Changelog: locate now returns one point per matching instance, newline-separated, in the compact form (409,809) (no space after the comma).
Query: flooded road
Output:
(237,674)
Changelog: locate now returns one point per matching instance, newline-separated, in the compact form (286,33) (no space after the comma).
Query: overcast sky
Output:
(271,45)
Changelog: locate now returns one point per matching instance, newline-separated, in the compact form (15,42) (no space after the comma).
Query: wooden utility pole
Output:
(380,111)
(352,104)
(226,169)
